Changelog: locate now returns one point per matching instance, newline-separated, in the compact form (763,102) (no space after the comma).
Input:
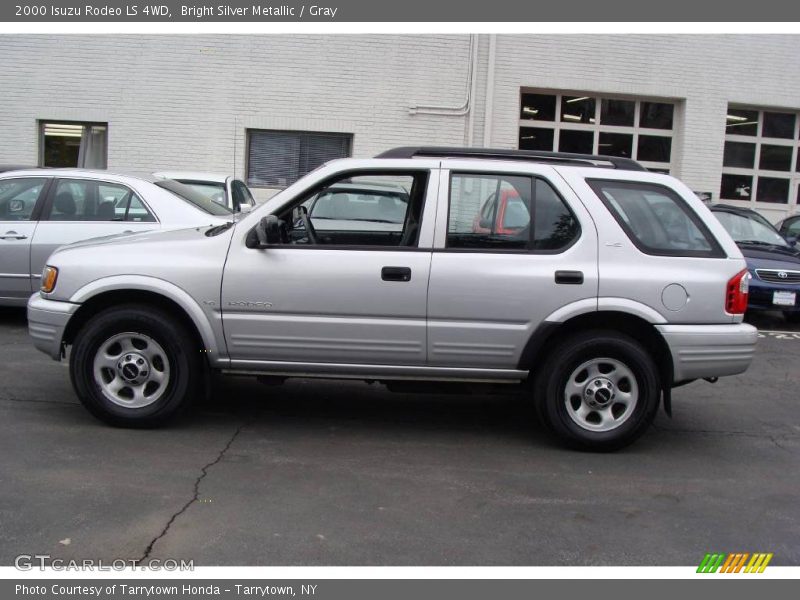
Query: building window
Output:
(761,162)
(71,144)
(279,158)
(588,124)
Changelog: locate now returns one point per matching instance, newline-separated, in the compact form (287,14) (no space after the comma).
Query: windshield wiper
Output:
(376,221)
(758,243)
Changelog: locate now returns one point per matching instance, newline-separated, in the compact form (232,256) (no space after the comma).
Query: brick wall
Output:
(185,101)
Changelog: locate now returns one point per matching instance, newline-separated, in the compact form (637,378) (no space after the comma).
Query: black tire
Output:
(554,373)
(180,349)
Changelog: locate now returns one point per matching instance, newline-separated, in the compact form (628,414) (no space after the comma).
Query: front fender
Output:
(208,322)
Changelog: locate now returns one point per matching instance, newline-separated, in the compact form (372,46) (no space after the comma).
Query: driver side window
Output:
(365,209)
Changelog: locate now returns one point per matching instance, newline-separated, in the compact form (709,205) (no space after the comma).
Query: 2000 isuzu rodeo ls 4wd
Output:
(601,288)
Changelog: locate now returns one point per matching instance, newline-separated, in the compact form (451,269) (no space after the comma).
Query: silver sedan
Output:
(42,209)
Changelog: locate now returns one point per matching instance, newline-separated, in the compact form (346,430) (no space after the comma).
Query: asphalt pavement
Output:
(319,472)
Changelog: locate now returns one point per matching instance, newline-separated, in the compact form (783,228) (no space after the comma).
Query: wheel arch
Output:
(637,327)
(106,293)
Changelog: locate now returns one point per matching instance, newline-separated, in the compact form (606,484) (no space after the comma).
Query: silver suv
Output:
(588,280)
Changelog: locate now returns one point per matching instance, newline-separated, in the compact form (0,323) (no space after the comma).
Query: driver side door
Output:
(351,291)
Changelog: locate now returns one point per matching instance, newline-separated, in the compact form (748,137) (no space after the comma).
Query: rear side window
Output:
(89,200)
(508,212)
(656,219)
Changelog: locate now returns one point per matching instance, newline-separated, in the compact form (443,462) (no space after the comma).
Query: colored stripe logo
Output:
(737,562)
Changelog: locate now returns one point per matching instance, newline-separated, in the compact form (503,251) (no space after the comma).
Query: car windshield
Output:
(212,189)
(360,205)
(747,229)
(193,197)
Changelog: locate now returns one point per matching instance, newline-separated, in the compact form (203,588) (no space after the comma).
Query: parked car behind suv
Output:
(226,190)
(593,306)
(773,262)
(42,209)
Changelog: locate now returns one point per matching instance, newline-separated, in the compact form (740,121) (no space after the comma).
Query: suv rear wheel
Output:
(598,390)
(135,366)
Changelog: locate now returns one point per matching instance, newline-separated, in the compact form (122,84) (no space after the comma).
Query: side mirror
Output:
(791,240)
(245,208)
(269,231)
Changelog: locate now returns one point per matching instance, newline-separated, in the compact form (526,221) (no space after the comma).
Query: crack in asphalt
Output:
(196,494)
(772,438)
(13,398)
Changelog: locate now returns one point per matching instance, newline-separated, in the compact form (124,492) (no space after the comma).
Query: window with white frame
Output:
(761,162)
(590,124)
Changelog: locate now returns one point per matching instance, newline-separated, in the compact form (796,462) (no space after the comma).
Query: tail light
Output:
(736,296)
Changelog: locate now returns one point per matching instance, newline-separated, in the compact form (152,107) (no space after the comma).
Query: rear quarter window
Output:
(656,219)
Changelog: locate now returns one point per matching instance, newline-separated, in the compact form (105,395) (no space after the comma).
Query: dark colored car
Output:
(773,261)
(789,227)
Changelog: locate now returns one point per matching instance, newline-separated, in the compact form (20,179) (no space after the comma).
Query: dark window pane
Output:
(797,166)
(18,198)
(775,158)
(576,141)
(739,154)
(778,125)
(577,109)
(554,227)
(489,211)
(279,158)
(736,187)
(655,218)
(654,148)
(617,112)
(741,122)
(772,189)
(615,144)
(656,115)
(662,171)
(535,138)
(538,107)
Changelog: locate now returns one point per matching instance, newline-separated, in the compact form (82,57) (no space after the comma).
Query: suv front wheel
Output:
(598,390)
(135,366)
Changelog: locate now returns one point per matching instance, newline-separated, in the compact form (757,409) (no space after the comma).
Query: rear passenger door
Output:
(80,209)
(512,247)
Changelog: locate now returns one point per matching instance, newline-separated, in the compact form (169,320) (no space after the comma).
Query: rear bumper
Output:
(47,320)
(762,294)
(709,350)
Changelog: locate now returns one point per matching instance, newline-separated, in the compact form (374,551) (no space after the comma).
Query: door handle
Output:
(569,277)
(13,235)
(396,274)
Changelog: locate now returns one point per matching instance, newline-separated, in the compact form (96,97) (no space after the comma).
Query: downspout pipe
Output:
(466,106)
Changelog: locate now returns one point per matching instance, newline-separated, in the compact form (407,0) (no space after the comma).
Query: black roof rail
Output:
(564,158)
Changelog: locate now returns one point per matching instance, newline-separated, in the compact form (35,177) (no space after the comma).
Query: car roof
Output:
(115,174)
(732,208)
(192,176)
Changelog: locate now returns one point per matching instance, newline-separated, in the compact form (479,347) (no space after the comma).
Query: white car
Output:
(42,209)
(222,189)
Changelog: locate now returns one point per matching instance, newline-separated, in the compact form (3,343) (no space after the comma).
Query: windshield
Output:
(360,205)
(212,189)
(193,197)
(749,229)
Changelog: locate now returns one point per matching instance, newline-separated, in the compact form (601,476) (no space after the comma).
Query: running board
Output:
(382,372)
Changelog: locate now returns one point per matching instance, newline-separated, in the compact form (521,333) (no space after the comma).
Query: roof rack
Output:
(564,158)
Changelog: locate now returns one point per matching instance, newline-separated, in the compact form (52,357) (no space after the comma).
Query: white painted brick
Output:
(185,101)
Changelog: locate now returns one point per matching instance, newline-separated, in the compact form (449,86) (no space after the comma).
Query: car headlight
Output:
(49,277)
